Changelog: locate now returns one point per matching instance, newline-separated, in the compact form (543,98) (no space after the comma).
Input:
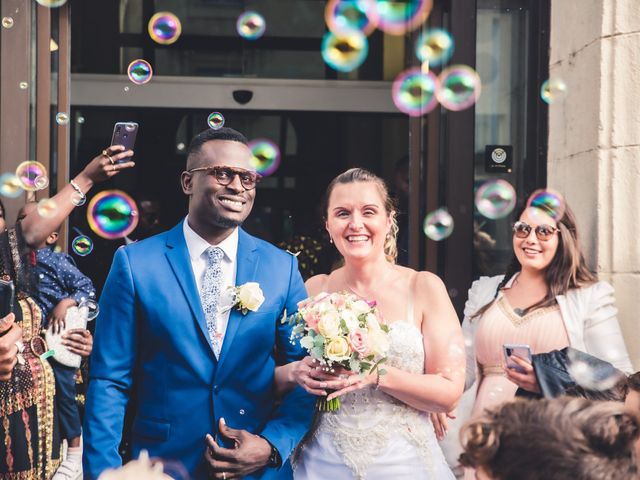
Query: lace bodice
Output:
(368,418)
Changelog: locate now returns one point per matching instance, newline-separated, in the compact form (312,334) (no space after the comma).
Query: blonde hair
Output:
(563,438)
(361,175)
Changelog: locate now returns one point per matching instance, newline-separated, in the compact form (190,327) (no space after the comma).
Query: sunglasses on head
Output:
(543,232)
(225,175)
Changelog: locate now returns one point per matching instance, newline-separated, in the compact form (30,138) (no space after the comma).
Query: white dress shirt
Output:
(197,246)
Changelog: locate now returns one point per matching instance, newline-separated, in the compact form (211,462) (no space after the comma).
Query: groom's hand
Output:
(250,453)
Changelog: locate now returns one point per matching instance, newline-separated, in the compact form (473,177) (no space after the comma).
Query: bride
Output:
(382,429)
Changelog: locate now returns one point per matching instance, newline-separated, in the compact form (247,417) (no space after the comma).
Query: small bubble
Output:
(438,225)
(251,25)
(47,207)
(62,118)
(7,22)
(41,182)
(92,308)
(80,120)
(126,89)
(23,85)
(215,120)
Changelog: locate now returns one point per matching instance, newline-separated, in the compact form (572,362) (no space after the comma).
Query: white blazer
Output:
(588,313)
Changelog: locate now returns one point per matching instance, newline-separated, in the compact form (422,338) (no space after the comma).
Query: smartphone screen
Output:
(124,133)
(517,350)
(7,293)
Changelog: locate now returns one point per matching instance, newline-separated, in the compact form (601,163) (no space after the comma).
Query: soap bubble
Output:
(438,225)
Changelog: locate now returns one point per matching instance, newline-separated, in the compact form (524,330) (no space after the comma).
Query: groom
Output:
(166,337)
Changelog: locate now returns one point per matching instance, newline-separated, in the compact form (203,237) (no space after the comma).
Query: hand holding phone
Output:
(7,294)
(124,133)
(516,350)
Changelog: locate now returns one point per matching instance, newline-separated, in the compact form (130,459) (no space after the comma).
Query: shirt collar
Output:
(197,245)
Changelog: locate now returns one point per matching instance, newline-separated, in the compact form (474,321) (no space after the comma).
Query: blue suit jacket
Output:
(151,342)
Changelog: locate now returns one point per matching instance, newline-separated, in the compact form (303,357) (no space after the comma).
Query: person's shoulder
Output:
(145,245)
(316,284)
(269,249)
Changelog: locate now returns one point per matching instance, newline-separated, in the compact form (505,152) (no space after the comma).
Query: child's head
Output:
(633,394)
(561,438)
(28,209)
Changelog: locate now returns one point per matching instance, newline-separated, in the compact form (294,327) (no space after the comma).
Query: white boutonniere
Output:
(243,297)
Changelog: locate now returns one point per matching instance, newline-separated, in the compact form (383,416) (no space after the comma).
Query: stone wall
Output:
(594,140)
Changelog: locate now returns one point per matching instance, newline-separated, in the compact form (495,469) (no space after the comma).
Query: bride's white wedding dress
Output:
(373,435)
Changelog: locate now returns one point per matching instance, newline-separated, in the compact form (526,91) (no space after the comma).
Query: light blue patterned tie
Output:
(210,294)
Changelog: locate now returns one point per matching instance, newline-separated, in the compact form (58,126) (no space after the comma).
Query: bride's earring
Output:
(330,239)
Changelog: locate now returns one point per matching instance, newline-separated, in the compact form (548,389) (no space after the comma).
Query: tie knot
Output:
(214,254)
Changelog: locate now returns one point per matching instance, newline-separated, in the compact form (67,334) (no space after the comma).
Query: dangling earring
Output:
(330,239)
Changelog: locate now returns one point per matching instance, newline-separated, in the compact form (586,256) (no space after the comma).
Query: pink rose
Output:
(359,342)
(312,319)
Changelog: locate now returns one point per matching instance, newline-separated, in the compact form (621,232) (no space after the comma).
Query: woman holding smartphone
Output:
(28,429)
(547,299)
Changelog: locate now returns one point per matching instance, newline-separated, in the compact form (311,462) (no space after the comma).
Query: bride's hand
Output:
(353,382)
(441,424)
(310,375)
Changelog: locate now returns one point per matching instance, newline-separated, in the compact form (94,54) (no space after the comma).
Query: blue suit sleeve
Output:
(292,418)
(111,371)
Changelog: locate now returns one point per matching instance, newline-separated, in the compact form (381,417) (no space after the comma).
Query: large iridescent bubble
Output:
(434,46)
(266,156)
(112,214)
(10,185)
(251,25)
(460,87)
(346,50)
(548,201)
(398,17)
(495,199)
(29,173)
(342,15)
(164,28)
(438,225)
(51,3)
(140,71)
(413,92)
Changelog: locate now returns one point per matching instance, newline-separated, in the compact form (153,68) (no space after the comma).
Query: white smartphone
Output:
(517,350)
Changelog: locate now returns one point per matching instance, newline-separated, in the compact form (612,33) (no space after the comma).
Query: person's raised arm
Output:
(36,228)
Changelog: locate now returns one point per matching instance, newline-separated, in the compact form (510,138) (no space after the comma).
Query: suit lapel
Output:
(178,256)
(247,265)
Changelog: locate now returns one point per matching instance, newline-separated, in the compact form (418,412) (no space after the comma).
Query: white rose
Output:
(372,323)
(360,307)
(351,319)
(306,342)
(250,296)
(329,324)
(378,342)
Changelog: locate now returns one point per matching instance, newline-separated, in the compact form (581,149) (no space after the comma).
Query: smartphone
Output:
(7,294)
(124,133)
(517,350)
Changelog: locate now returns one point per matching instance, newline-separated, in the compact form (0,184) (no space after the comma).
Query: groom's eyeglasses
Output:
(225,175)
(543,232)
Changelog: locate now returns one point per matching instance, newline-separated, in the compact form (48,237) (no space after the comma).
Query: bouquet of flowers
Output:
(341,330)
